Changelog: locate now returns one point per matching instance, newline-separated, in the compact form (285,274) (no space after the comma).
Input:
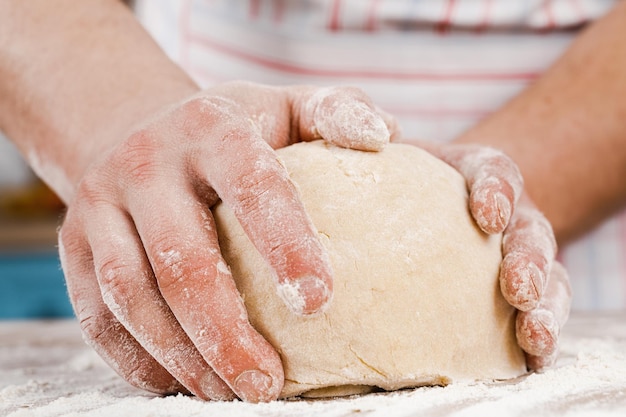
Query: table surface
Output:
(46,370)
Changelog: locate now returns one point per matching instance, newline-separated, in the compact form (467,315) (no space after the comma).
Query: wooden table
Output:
(46,370)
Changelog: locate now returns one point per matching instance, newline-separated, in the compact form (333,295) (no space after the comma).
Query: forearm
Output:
(567,132)
(74,77)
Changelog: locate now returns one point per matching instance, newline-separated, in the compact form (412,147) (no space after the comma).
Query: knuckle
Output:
(90,192)
(151,377)
(98,327)
(227,122)
(174,267)
(138,157)
(176,277)
(489,155)
(531,232)
(254,199)
(240,133)
(111,269)
(72,250)
(139,376)
(169,259)
(490,162)
(253,186)
(219,345)
(516,174)
(561,277)
(497,156)
(123,353)
(112,274)
(208,110)
(69,239)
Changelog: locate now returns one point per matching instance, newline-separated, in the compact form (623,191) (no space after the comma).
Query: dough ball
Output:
(416,294)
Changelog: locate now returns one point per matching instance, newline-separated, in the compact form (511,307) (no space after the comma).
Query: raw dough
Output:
(416,295)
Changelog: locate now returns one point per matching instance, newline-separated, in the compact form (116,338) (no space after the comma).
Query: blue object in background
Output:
(32,286)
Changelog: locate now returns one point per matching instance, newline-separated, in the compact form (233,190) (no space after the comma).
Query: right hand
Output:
(531,279)
(139,246)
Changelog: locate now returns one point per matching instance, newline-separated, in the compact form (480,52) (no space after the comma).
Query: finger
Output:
(538,330)
(267,107)
(344,116)
(529,248)
(393,126)
(494,181)
(100,328)
(181,242)
(496,184)
(540,363)
(130,291)
(250,179)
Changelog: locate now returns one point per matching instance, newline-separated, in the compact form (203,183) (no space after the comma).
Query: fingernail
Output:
(504,209)
(363,125)
(355,125)
(253,386)
(307,295)
(530,287)
(548,321)
(216,389)
(537,278)
(543,333)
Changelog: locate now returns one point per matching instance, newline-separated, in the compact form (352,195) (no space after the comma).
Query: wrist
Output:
(68,106)
(73,147)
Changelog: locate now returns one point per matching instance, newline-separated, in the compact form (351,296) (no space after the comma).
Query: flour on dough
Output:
(416,295)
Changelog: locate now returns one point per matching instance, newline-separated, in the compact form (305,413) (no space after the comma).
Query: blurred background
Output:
(31,281)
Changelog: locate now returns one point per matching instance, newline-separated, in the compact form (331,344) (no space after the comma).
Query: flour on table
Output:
(48,376)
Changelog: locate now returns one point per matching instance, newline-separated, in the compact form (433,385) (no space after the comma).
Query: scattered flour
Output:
(45,370)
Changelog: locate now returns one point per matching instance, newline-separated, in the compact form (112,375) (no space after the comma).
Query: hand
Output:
(531,279)
(139,246)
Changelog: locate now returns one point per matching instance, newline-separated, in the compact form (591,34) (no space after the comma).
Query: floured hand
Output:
(531,279)
(139,247)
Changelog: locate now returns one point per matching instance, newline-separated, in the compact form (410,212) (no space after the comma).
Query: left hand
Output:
(531,279)
(139,246)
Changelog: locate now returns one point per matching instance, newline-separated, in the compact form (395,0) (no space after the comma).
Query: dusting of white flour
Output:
(45,370)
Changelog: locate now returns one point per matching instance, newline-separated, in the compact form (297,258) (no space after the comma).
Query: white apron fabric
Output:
(438,65)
